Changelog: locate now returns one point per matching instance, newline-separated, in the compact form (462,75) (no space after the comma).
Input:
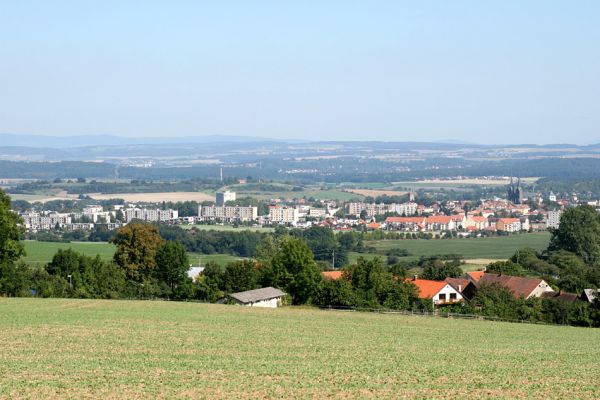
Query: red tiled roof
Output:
(333,275)
(405,220)
(509,220)
(519,286)
(479,218)
(374,225)
(476,275)
(426,288)
(439,219)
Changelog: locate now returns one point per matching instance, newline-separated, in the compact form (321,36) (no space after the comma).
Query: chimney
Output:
(459,288)
(415,277)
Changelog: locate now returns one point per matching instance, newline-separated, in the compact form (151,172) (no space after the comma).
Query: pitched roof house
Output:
(440,223)
(440,292)
(519,286)
(268,297)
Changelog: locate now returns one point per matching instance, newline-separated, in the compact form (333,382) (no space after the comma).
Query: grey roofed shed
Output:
(252,296)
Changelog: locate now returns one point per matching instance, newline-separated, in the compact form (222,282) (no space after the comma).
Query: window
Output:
(452,296)
(442,296)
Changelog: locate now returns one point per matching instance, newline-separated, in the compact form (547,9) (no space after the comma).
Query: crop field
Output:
(157,197)
(320,194)
(376,192)
(42,252)
(488,248)
(57,348)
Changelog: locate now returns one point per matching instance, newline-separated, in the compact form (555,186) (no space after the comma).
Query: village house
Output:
(440,223)
(512,224)
(411,224)
(439,292)
(518,285)
(478,222)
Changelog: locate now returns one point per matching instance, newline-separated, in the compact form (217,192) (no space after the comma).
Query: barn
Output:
(268,297)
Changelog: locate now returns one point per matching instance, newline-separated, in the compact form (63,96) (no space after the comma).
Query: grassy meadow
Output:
(498,247)
(487,247)
(58,348)
(42,252)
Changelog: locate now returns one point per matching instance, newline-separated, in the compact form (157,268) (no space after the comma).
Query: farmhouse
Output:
(519,286)
(268,297)
(439,292)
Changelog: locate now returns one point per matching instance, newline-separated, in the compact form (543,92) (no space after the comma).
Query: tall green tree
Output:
(579,233)
(10,247)
(293,269)
(137,244)
(172,264)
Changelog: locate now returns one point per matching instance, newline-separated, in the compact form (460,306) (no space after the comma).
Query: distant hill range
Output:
(7,139)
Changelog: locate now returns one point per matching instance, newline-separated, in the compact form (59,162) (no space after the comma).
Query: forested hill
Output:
(345,169)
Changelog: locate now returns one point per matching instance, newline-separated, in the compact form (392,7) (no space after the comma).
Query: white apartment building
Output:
(406,209)
(281,214)
(553,220)
(224,197)
(228,213)
(34,221)
(150,215)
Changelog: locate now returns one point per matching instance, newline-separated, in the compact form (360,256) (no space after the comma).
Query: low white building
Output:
(268,297)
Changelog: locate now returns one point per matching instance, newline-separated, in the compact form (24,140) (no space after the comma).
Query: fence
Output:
(437,314)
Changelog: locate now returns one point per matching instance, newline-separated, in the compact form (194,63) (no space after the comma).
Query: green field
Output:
(42,252)
(221,259)
(496,247)
(55,348)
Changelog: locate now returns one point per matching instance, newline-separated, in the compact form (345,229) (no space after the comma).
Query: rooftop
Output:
(252,296)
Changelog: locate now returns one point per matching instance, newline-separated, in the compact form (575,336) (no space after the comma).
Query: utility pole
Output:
(333,259)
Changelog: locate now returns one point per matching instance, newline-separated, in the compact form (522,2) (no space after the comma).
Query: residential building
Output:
(412,224)
(553,220)
(228,213)
(223,197)
(519,286)
(406,209)
(512,224)
(150,215)
(440,223)
(283,214)
(478,222)
(439,292)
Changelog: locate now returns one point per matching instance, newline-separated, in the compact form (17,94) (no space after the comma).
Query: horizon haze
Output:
(494,73)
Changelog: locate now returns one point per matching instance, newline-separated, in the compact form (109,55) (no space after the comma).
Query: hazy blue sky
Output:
(480,71)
